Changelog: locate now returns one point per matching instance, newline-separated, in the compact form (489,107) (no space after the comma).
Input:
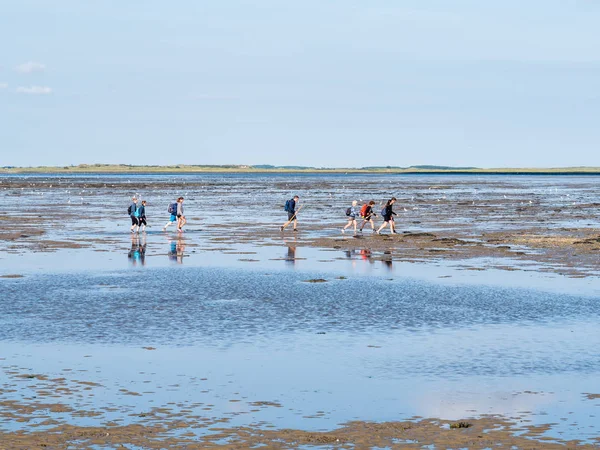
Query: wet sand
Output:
(543,225)
(550,221)
(42,419)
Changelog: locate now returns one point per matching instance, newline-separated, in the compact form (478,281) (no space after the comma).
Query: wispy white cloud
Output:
(34,90)
(30,67)
(3,85)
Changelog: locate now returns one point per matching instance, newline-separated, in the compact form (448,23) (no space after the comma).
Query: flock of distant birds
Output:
(564,198)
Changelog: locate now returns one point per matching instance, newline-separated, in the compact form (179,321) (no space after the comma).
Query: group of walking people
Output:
(354,214)
(137,213)
(365,214)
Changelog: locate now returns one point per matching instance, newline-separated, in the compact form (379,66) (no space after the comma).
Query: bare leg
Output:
(283,227)
(181,222)
(350,220)
(367,221)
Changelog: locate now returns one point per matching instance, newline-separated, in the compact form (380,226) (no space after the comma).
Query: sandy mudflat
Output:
(42,425)
(336,347)
(41,420)
(479,434)
(550,221)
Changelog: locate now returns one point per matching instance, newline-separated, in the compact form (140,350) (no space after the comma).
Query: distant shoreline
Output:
(190,169)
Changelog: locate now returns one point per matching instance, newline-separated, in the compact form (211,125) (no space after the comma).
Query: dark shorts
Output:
(135,220)
(388,219)
(142,220)
(291,215)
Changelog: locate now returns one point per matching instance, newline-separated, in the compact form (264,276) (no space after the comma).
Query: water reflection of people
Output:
(137,253)
(290,258)
(350,253)
(176,249)
(387,259)
(365,254)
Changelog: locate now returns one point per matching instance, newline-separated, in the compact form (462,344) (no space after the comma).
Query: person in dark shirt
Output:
(290,207)
(368,216)
(388,216)
(142,217)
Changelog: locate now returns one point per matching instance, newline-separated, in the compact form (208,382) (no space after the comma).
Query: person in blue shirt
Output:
(133,213)
(354,213)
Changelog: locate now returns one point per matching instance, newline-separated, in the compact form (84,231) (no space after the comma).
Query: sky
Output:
(325,83)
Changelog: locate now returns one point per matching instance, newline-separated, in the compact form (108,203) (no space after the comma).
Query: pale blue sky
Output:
(320,83)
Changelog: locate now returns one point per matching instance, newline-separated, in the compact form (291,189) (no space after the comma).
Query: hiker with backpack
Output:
(367,214)
(388,214)
(351,213)
(142,217)
(176,211)
(132,210)
(290,208)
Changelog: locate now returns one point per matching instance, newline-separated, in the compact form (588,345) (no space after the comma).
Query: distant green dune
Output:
(182,168)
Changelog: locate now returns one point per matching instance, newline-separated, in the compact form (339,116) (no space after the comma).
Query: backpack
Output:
(349,211)
(287,207)
(384,211)
(172,208)
(129,212)
(363,210)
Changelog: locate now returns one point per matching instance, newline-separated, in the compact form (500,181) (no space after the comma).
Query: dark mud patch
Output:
(450,241)
(266,403)
(407,235)
(164,429)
